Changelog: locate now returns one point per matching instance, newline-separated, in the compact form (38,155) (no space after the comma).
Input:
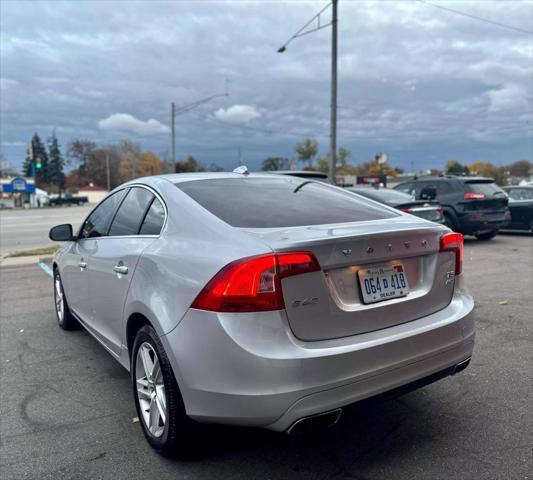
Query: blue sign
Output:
(18,185)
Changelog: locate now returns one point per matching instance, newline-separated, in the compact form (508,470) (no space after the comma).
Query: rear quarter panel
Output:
(192,248)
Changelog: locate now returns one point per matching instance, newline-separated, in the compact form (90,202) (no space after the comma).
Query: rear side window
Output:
(128,219)
(488,188)
(98,221)
(154,219)
(280,202)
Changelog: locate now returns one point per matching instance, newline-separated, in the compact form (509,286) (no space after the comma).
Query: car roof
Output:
(192,176)
(450,177)
(311,173)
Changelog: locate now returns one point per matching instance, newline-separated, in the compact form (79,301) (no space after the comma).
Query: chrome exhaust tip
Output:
(315,422)
(461,366)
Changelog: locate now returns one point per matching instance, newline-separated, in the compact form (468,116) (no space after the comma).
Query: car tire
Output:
(65,319)
(487,235)
(449,222)
(158,400)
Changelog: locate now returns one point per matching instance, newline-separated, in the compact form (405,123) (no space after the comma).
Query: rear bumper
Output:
(249,369)
(476,222)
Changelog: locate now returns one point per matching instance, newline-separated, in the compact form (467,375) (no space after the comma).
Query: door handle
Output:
(82,265)
(122,269)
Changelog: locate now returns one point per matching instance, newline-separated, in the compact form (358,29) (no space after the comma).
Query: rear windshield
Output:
(279,202)
(385,195)
(488,188)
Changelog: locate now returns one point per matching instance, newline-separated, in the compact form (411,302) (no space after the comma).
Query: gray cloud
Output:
(422,84)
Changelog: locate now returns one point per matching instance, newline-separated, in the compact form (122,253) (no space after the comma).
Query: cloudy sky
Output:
(420,83)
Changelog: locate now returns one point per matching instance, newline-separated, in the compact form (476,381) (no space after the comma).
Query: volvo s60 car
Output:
(261,300)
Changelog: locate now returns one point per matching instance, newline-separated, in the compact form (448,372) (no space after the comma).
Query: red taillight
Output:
(253,284)
(406,210)
(453,242)
(474,196)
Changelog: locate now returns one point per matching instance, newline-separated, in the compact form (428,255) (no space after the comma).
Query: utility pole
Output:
(30,154)
(173,123)
(333,121)
(107,171)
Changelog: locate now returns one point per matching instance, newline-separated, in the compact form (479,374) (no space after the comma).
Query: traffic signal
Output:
(38,164)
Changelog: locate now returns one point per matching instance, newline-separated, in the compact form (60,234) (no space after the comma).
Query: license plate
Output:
(383,283)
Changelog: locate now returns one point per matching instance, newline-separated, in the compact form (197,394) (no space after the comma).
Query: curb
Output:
(18,261)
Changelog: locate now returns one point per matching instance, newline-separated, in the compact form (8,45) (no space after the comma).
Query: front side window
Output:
(266,202)
(98,221)
(128,219)
(154,219)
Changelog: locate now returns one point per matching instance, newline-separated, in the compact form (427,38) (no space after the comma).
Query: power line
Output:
(475,17)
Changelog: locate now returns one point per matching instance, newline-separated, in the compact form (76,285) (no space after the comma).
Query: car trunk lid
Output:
(328,304)
(428,210)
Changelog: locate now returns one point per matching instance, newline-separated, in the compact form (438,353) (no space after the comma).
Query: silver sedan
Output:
(261,300)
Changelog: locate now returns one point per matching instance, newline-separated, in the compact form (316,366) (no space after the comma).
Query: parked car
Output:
(261,300)
(41,197)
(309,174)
(69,200)
(521,207)
(472,205)
(426,209)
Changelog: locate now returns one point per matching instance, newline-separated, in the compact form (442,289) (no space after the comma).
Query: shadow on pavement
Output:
(368,433)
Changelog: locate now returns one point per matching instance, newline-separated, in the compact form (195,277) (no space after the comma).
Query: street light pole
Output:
(333,120)
(184,109)
(306,29)
(173,123)
(107,171)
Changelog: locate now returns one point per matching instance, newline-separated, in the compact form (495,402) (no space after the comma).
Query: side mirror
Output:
(61,233)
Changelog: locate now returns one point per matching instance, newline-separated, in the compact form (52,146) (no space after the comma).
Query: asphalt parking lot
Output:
(67,408)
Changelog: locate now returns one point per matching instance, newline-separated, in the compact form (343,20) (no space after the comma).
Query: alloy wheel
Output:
(151,389)
(59,299)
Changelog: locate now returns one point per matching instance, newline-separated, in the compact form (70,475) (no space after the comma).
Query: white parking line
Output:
(46,268)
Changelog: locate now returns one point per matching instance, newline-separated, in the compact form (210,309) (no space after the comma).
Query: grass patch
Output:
(36,251)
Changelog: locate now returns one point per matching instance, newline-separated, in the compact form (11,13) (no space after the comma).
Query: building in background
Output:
(93,193)
(18,192)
